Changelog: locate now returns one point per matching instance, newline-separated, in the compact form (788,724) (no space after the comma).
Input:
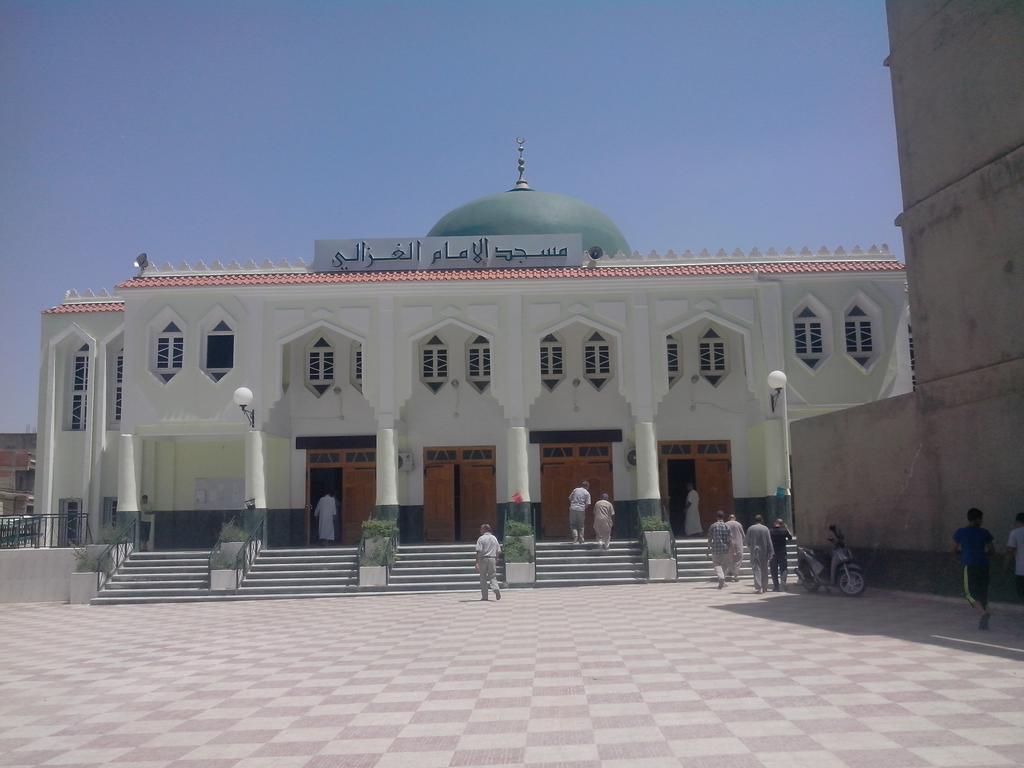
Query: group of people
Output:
(604,516)
(974,548)
(726,540)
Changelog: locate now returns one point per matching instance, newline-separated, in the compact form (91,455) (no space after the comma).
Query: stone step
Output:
(301,587)
(287,563)
(116,584)
(405,557)
(587,582)
(309,552)
(585,575)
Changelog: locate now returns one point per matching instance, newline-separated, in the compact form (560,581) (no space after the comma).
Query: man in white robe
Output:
(692,525)
(326,510)
(738,540)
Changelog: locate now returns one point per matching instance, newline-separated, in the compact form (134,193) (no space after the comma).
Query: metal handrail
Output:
(37,531)
(115,554)
(250,550)
(216,546)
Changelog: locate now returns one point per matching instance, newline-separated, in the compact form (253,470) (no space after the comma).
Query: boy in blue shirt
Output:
(973,544)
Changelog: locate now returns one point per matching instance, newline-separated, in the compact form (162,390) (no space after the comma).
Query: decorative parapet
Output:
(87,301)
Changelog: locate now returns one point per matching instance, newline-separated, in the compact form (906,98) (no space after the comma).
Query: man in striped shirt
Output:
(719,546)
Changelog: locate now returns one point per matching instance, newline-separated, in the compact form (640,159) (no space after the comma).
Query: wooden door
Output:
(714,484)
(439,502)
(358,496)
(478,497)
(557,479)
(599,475)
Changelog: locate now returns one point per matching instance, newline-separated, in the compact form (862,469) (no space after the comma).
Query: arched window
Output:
(79,403)
(673,359)
(597,360)
(552,361)
(434,363)
(713,360)
(478,363)
(220,351)
(170,352)
(808,339)
(859,333)
(356,366)
(320,366)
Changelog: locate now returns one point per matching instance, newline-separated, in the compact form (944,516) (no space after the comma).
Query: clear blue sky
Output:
(237,130)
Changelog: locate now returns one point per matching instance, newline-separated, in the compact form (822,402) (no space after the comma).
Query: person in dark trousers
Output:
(780,535)
(1015,553)
(973,546)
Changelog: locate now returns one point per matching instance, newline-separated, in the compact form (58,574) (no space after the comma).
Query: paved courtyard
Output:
(635,676)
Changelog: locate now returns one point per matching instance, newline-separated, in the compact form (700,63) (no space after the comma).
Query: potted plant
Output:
(377,553)
(519,550)
(231,538)
(84,579)
(223,576)
(661,566)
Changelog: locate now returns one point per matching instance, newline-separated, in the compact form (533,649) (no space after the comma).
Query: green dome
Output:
(528,212)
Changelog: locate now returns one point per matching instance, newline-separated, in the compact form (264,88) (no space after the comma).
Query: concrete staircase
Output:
(693,564)
(314,572)
(158,577)
(561,564)
(430,567)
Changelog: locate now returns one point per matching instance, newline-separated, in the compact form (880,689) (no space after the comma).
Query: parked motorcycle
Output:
(836,569)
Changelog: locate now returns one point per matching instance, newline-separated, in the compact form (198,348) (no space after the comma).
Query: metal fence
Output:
(37,531)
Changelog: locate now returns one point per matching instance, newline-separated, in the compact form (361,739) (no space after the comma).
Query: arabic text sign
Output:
(483,252)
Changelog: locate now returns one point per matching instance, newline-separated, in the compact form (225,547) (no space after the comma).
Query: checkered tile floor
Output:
(646,675)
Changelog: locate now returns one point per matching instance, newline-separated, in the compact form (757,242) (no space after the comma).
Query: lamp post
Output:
(243,399)
(777,385)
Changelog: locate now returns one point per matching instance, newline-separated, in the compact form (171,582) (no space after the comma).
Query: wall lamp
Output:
(777,383)
(243,399)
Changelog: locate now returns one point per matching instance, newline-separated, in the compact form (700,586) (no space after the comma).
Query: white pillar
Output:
(518,463)
(647,484)
(127,475)
(255,482)
(387,469)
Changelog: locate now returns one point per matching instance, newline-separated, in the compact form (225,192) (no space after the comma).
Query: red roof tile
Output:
(89,306)
(213,279)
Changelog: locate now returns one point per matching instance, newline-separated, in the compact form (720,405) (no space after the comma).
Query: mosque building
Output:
(444,380)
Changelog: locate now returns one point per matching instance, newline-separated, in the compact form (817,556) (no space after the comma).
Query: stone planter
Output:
(223,579)
(83,587)
(373,575)
(519,573)
(661,569)
(530,542)
(659,544)
(374,552)
(230,549)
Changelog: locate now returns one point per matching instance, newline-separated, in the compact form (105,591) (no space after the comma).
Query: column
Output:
(387,472)
(128,481)
(648,488)
(519,474)
(255,480)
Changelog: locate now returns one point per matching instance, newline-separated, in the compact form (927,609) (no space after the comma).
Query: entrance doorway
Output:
(706,464)
(562,468)
(459,493)
(351,475)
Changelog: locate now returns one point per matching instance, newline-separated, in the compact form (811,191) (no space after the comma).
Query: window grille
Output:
(118,386)
(80,388)
(434,364)
(320,366)
(672,359)
(597,360)
(808,339)
(552,361)
(712,357)
(220,351)
(478,363)
(357,366)
(170,352)
(859,336)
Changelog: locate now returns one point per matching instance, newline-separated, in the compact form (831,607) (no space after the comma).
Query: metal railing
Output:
(250,550)
(114,555)
(50,531)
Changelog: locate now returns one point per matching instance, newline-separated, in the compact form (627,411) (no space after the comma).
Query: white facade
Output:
(182,442)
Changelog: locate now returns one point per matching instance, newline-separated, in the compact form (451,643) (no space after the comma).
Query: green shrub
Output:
(516,528)
(86,563)
(515,550)
(653,523)
(379,529)
(221,562)
(231,531)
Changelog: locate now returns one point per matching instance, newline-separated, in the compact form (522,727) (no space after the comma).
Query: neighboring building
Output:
(434,395)
(17,473)
(900,475)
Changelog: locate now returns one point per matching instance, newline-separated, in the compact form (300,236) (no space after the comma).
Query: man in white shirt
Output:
(487,551)
(1015,553)
(579,500)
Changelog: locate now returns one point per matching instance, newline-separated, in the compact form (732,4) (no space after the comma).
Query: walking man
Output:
(579,500)
(780,568)
(759,540)
(973,544)
(325,512)
(1015,553)
(719,546)
(736,550)
(487,550)
(604,517)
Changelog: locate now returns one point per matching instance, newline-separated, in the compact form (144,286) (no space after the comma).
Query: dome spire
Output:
(521,183)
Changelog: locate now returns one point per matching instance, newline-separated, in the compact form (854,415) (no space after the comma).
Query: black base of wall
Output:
(934,573)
